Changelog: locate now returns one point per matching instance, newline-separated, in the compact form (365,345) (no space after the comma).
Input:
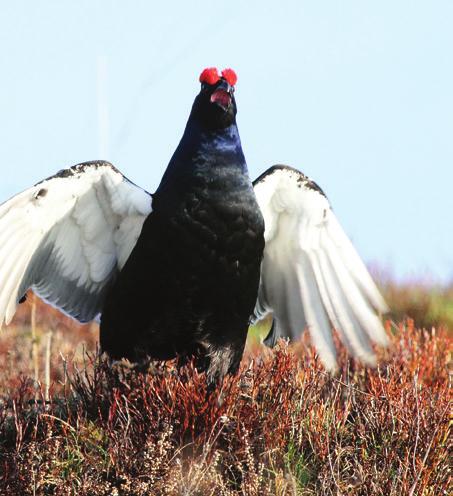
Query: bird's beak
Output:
(222,95)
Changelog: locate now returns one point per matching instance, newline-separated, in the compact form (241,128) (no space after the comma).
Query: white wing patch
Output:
(68,236)
(311,275)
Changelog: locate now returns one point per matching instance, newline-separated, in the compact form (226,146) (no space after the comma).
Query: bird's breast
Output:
(216,225)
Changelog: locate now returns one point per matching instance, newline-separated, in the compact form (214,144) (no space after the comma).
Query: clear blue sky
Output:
(356,94)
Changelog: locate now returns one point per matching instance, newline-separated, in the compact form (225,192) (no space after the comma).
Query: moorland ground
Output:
(70,425)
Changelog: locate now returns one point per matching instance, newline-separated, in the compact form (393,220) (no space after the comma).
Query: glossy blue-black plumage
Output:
(190,284)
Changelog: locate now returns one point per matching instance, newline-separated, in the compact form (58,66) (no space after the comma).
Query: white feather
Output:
(60,238)
(311,273)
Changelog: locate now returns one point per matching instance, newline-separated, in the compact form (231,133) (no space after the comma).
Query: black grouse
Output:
(183,272)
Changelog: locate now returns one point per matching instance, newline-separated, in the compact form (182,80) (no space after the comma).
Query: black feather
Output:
(189,286)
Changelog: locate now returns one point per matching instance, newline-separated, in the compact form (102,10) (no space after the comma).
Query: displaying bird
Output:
(184,271)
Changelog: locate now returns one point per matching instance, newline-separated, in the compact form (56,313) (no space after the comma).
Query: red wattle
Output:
(210,75)
(230,76)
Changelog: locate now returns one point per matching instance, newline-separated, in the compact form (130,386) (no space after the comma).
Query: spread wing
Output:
(311,275)
(68,236)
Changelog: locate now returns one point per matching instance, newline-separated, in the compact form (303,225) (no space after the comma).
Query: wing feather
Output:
(311,275)
(355,264)
(61,239)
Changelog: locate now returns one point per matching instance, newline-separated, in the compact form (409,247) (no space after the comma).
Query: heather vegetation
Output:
(72,425)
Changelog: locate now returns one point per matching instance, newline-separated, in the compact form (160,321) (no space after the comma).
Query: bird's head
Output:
(215,106)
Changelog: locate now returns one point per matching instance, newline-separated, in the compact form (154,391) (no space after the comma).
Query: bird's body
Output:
(196,265)
(182,272)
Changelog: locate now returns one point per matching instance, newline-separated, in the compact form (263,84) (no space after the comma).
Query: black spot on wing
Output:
(84,167)
(301,177)
(80,168)
(41,193)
